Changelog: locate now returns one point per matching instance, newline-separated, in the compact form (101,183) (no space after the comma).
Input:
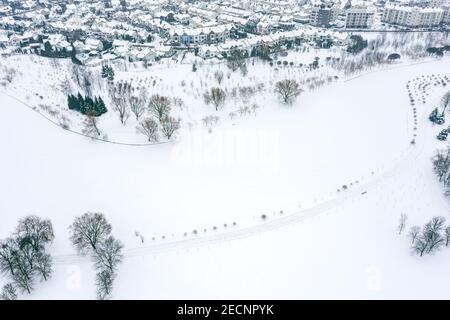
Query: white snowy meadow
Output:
(298,201)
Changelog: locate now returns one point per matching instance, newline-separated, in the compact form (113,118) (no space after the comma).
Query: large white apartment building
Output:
(359,17)
(446,17)
(414,17)
(322,15)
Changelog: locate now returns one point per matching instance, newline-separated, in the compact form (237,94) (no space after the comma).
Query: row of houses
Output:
(196,36)
(248,45)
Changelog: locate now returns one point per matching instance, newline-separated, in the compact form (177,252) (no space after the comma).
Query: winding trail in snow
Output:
(404,162)
(283,221)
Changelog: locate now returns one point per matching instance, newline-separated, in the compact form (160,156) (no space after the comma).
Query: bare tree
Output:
(66,87)
(86,82)
(431,237)
(8,248)
(10,73)
(120,97)
(209,121)
(432,233)
(109,254)
(23,272)
(420,245)
(219,76)
(121,107)
(76,74)
(32,234)
(92,233)
(447,236)
(9,292)
(413,233)
(36,231)
(88,231)
(104,282)
(137,104)
(149,128)
(44,265)
(441,164)
(244,70)
(402,223)
(445,101)
(90,127)
(216,96)
(169,126)
(159,106)
(288,90)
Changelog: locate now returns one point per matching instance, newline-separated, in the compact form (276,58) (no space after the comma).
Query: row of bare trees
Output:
(159,108)
(91,235)
(127,102)
(287,90)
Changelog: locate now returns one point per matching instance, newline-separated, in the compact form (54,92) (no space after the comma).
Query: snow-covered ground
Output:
(44,84)
(288,163)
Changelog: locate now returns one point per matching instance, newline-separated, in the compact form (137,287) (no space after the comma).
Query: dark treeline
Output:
(86,105)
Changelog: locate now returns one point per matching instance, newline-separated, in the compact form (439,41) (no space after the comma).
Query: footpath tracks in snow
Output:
(79,133)
(405,162)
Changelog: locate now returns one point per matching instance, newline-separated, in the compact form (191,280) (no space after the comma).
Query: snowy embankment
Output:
(354,133)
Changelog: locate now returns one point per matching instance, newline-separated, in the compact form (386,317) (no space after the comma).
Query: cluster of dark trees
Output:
(431,237)
(86,105)
(108,72)
(23,256)
(74,58)
(91,234)
(438,51)
(50,53)
(443,134)
(393,56)
(441,167)
(358,44)
(263,52)
(436,116)
(439,117)
(236,60)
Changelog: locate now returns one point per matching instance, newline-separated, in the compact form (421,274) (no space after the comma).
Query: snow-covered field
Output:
(44,84)
(198,202)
